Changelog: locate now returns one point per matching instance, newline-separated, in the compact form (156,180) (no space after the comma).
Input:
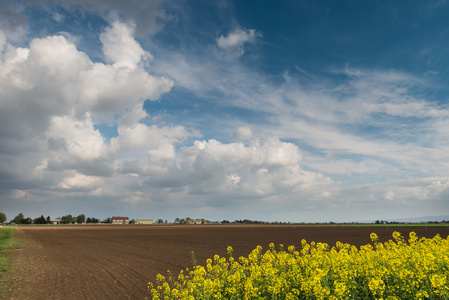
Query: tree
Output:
(132,221)
(67,219)
(48,220)
(18,219)
(27,221)
(81,219)
(2,218)
(177,221)
(40,220)
(92,220)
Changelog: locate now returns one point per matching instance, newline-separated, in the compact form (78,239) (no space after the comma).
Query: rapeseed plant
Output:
(396,269)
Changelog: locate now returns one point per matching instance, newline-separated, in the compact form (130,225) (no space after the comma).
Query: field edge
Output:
(8,265)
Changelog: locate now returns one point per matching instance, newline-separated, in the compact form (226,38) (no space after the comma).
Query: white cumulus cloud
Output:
(236,38)
(52,97)
(242,133)
(233,43)
(120,47)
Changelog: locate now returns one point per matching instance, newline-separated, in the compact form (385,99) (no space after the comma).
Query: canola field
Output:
(412,268)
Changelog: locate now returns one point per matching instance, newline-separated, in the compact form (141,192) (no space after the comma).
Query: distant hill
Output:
(421,219)
(412,220)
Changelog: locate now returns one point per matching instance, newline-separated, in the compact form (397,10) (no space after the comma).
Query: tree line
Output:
(67,219)
(189,220)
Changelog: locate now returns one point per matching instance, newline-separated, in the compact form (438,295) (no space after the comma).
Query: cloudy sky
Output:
(290,110)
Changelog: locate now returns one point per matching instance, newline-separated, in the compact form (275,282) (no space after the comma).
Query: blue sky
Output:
(278,111)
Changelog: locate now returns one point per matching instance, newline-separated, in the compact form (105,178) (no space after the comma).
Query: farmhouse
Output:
(120,220)
(144,221)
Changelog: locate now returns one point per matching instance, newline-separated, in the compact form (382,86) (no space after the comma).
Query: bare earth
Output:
(117,262)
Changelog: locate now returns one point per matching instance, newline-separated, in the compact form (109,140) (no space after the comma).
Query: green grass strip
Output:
(7,241)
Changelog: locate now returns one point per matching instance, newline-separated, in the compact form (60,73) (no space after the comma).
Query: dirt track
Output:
(117,262)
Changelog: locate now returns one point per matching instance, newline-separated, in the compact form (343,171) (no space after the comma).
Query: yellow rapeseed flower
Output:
(396,269)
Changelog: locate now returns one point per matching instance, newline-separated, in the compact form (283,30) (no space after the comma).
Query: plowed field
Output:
(116,262)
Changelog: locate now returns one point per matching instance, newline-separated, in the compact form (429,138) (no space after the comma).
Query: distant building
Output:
(144,221)
(120,220)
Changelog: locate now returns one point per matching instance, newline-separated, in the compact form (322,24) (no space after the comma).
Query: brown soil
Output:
(117,262)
